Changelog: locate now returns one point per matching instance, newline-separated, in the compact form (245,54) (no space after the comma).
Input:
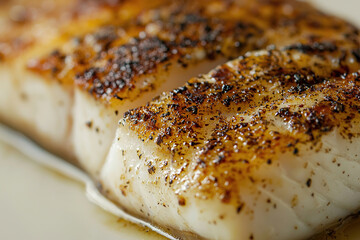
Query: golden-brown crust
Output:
(122,53)
(30,23)
(219,128)
(213,116)
(21,17)
(109,62)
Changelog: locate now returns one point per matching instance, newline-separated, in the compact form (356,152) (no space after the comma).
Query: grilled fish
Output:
(210,159)
(263,147)
(124,64)
(34,97)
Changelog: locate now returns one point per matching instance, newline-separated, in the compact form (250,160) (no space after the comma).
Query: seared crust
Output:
(219,132)
(222,127)
(109,62)
(25,23)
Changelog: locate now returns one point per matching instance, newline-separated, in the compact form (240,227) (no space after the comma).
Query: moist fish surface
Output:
(263,147)
(121,66)
(34,97)
(241,152)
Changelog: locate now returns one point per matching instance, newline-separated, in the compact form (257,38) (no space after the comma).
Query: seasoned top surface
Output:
(30,23)
(218,129)
(25,22)
(109,62)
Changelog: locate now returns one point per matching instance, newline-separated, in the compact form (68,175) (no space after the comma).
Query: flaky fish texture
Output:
(38,104)
(133,57)
(261,147)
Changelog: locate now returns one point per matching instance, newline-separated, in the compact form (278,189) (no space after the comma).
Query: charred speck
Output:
(192,109)
(226,88)
(316,47)
(180,90)
(283,112)
(201,163)
(335,105)
(168,131)
(241,125)
(89,124)
(338,107)
(165,114)
(227,101)
(296,151)
(181,201)
(151,169)
(194,143)
(89,74)
(119,98)
(159,139)
(297,77)
(173,106)
(240,207)
(314,121)
(308,182)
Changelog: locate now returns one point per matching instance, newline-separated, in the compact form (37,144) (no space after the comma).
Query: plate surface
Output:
(38,203)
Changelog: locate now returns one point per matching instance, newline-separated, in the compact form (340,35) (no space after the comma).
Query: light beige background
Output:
(36,203)
(348,9)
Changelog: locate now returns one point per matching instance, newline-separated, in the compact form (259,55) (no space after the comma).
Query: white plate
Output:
(39,203)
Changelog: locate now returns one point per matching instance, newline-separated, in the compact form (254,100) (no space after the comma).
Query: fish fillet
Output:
(250,150)
(35,98)
(121,66)
(263,147)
